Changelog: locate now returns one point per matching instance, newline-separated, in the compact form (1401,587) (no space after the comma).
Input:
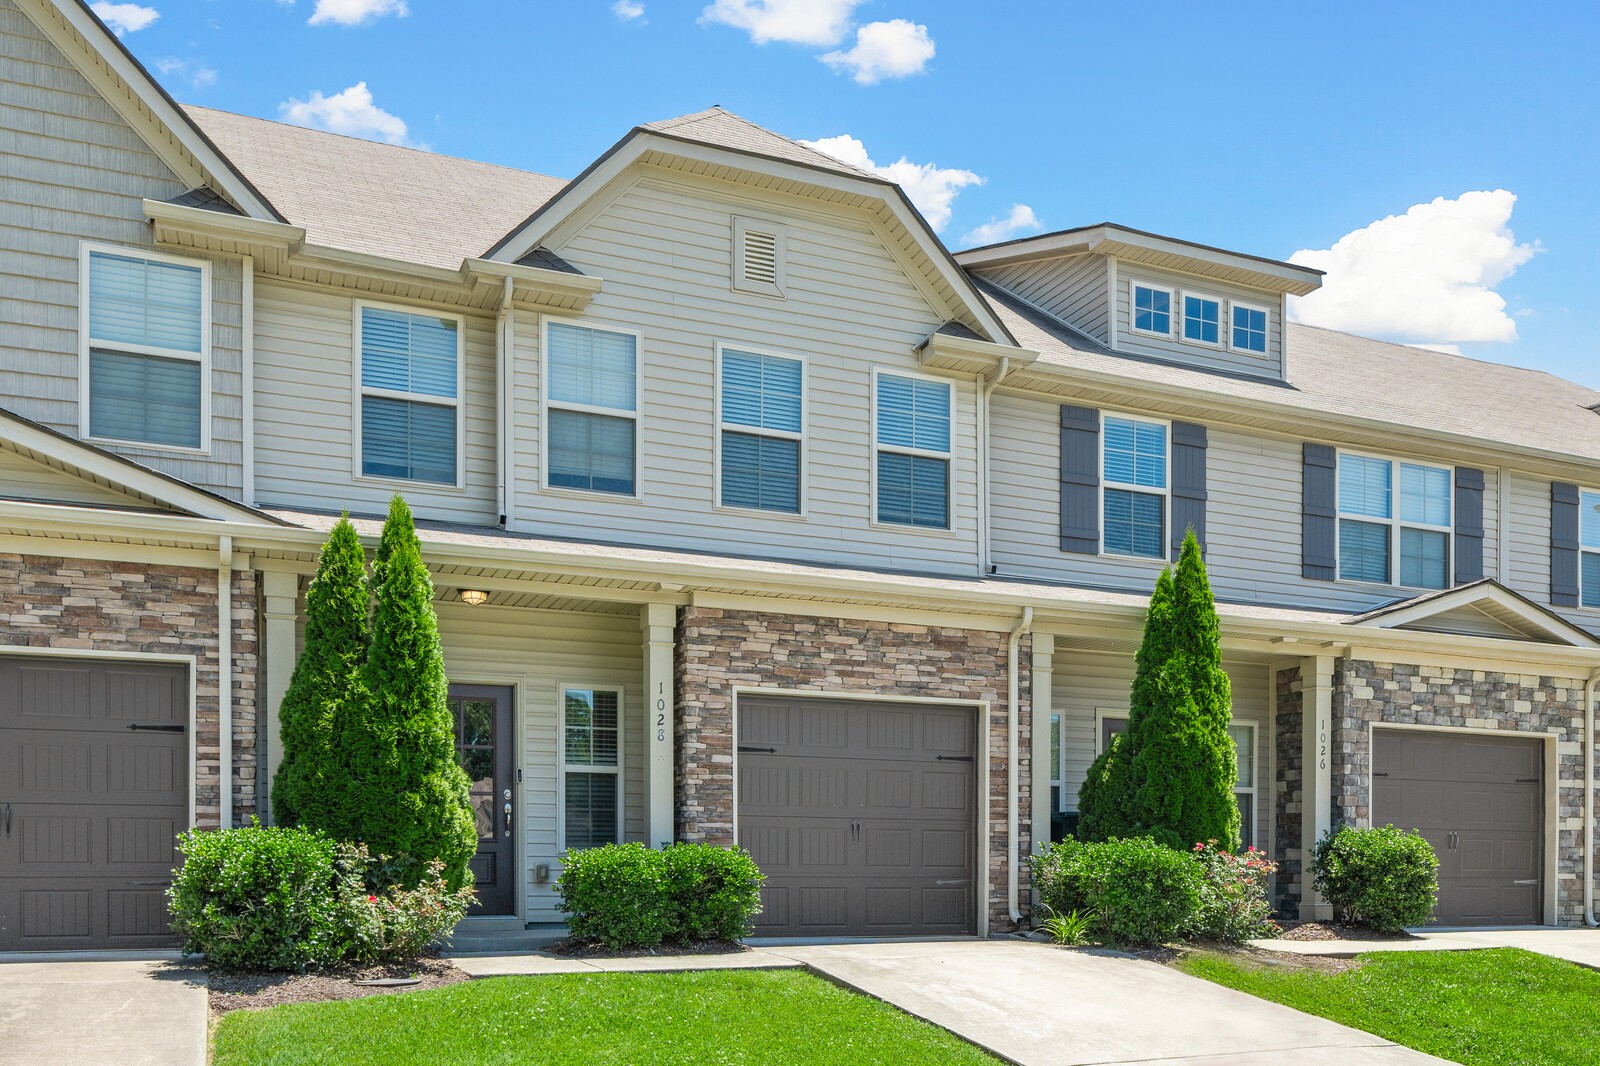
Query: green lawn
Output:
(1482,1008)
(731,1016)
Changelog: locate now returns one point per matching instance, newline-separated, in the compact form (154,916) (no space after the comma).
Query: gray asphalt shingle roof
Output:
(724,129)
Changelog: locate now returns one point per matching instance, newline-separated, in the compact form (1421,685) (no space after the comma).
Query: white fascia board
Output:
(536,280)
(245,231)
(1534,617)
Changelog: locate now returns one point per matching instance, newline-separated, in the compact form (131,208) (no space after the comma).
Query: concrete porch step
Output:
(494,936)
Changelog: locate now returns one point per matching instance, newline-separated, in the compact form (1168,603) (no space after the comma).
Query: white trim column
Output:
(280,595)
(658,625)
(1316,807)
(1039,706)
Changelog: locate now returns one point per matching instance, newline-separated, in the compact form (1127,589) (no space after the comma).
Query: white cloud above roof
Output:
(124,18)
(1426,277)
(356,12)
(192,70)
(996,230)
(931,187)
(897,48)
(815,22)
(350,111)
(629,11)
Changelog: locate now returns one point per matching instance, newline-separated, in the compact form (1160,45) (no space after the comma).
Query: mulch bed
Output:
(592,949)
(240,990)
(1336,931)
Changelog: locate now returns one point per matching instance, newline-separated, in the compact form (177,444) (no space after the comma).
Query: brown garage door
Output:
(1480,802)
(93,788)
(861,814)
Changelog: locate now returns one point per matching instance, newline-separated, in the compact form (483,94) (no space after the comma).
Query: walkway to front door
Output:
(484,746)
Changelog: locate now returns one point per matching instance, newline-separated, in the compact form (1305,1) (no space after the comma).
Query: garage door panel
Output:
(768,846)
(889,788)
(889,731)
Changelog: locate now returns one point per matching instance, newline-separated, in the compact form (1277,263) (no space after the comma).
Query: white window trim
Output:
(1183,318)
(780,256)
(1582,551)
(546,405)
(86,344)
(949,528)
(1267,342)
(1395,524)
(1165,492)
(1252,791)
(1174,313)
(1100,716)
(561,759)
(457,401)
(757,431)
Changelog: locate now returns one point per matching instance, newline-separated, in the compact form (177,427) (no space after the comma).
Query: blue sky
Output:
(1267,128)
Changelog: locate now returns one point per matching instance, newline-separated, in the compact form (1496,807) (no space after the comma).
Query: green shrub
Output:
(712,893)
(259,898)
(1054,877)
(1139,891)
(1381,877)
(1233,895)
(616,894)
(386,920)
(1105,799)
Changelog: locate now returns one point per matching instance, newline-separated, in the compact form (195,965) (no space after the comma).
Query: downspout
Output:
(1588,800)
(502,436)
(1015,857)
(985,560)
(225,682)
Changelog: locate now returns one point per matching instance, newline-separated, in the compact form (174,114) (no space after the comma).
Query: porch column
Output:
(658,622)
(280,591)
(1044,646)
(1317,754)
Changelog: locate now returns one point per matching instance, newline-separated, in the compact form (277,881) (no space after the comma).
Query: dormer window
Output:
(1202,319)
(1249,328)
(1152,310)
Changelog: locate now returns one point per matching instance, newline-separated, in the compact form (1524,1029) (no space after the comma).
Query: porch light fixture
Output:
(474,597)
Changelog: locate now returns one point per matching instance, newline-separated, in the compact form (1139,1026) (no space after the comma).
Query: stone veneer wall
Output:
(1368,692)
(1290,711)
(718,650)
(140,608)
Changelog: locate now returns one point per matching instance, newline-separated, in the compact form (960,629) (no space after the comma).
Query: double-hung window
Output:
(1249,328)
(1589,550)
(591,766)
(762,405)
(1392,510)
(1202,319)
(592,383)
(913,451)
(1134,470)
(410,395)
(146,324)
(1152,309)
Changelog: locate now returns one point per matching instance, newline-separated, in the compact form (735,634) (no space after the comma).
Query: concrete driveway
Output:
(1042,1006)
(101,1011)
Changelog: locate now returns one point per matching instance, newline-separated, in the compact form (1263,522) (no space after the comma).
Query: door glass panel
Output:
(474,724)
(477,722)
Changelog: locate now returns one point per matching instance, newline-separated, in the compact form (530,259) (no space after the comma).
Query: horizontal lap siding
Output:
(305,396)
(1072,288)
(1269,365)
(1529,571)
(663,250)
(75,171)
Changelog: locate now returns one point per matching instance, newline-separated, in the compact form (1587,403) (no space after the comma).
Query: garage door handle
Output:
(156,728)
(8,819)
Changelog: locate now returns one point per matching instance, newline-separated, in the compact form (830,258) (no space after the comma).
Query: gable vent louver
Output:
(761,258)
(759,250)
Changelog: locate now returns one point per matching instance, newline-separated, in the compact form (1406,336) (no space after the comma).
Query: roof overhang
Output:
(951,353)
(1441,612)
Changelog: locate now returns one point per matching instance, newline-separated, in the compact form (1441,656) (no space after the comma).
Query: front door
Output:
(483,744)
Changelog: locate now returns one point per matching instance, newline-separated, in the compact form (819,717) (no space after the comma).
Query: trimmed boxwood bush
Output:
(1379,876)
(712,893)
(630,896)
(1136,891)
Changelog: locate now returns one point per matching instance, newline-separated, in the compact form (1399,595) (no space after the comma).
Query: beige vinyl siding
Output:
(1074,288)
(75,171)
(1252,517)
(1084,683)
(305,401)
(663,249)
(22,478)
(1172,349)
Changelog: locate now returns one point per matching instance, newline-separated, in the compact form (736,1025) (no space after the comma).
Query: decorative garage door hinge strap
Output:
(953,758)
(156,728)
(766,751)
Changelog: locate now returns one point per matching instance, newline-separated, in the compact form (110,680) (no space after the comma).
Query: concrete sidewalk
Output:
(541,962)
(1581,946)
(99,1011)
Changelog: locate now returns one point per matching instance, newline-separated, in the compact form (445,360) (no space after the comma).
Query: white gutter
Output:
(1015,854)
(985,559)
(247,361)
(502,436)
(1588,800)
(225,681)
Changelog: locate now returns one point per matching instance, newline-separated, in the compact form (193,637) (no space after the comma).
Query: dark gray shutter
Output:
(1469,525)
(1563,544)
(1080,479)
(1319,512)
(1188,483)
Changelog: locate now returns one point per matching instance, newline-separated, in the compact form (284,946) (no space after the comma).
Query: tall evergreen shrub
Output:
(307,788)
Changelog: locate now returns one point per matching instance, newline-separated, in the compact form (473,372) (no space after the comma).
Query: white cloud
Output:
(124,18)
(1001,229)
(1426,277)
(193,71)
(356,12)
(816,22)
(629,11)
(932,188)
(350,112)
(893,49)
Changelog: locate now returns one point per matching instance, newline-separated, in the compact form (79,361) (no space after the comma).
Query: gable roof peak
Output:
(721,128)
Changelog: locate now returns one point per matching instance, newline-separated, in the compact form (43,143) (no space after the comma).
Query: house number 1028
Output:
(661,713)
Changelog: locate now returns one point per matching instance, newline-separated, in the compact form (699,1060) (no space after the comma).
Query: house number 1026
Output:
(1322,746)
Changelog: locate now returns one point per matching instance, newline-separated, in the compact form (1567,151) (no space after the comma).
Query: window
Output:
(591,759)
(592,385)
(913,451)
(1202,319)
(762,411)
(410,403)
(146,327)
(1589,541)
(1373,530)
(1134,469)
(1243,735)
(1249,328)
(760,251)
(1152,310)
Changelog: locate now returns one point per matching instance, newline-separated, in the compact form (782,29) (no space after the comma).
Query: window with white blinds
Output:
(591,767)
(592,399)
(146,334)
(912,442)
(762,405)
(410,404)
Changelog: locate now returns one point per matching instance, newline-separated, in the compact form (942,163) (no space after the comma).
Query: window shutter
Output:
(1319,512)
(1188,483)
(1563,544)
(1469,525)
(1080,479)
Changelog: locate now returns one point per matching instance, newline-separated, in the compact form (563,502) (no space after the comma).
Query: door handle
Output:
(508,816)
(8,819)
(855,832)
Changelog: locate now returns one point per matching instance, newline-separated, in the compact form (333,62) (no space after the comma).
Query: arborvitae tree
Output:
(1184,763)
(308,786)
(407,794)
